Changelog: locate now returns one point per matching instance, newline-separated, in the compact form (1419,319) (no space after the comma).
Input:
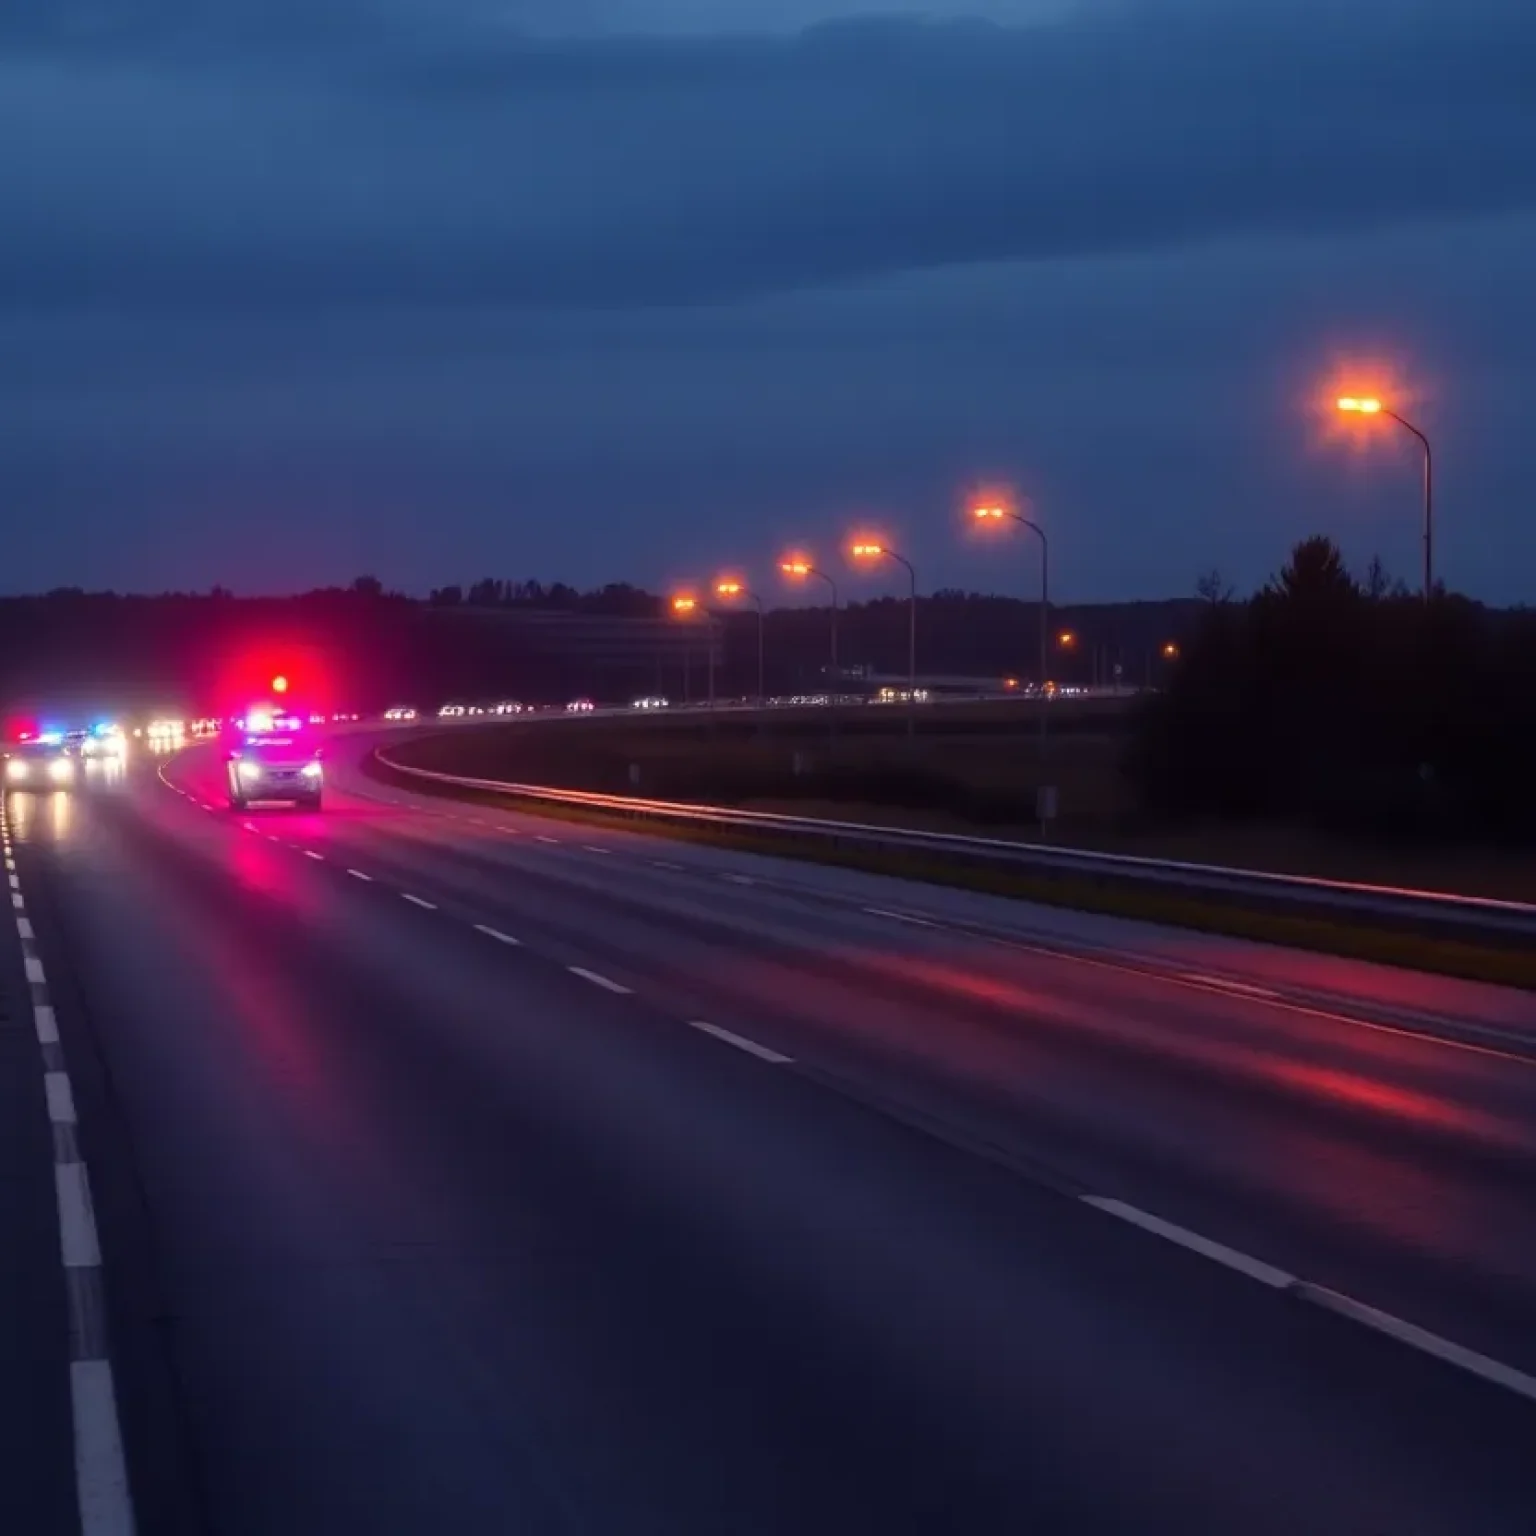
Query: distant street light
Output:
(994,513)
(867,550)
(1170,651)
(1368,405)
(685,606)
(799,569)
(729,588)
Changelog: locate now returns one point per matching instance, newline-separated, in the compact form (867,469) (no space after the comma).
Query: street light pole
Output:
(728,588)
(884,551)
(802,569)
(997,514)
(1368,406)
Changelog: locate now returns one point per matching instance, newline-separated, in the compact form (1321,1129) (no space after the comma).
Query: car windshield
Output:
(273,746)
(38,749)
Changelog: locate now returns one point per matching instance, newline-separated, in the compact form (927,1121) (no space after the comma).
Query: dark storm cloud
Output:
(294,153)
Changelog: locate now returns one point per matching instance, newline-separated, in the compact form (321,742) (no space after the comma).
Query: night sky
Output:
(596,290)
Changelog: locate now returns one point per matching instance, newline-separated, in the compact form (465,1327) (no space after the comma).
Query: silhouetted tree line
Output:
(375,647)
(1350,704)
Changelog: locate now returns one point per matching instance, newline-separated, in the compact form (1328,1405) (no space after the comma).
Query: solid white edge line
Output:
(1222,984)
(46,1022)
(901,917)
(77,1221)
(357,874)
(61,1098)
(418,901)
(101,1475)
(1422,1339)
(1232,1258)
(597,979)
(309,853)
(34,968)
(751,1047)
(24,928)
(497,934)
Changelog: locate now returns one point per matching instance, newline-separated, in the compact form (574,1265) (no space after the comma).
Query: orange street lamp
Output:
(992,512)
(866,549)
(798,568)
(1368,405)
(1066,639)
(729,588)
(687,606)
(1170,651)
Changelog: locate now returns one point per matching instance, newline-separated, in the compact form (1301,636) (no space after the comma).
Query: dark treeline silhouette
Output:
(1349,704)
(367,647)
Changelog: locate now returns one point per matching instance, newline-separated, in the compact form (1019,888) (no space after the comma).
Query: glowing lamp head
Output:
(684,605)
(989,513)
(1366,405)
(279,684)
(1066,637)
(867,551)
(795,567)
(728,588)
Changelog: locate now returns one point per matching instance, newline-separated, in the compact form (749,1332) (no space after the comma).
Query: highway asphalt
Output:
(458,1170)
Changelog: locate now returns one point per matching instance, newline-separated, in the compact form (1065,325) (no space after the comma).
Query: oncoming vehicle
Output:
(275,759)
(43,763)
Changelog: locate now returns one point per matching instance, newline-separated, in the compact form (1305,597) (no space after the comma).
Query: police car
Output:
(275,759)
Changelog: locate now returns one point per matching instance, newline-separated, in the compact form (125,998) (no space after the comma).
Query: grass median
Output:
(1498,960)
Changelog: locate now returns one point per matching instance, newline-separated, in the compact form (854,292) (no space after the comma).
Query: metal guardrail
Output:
(1468,914)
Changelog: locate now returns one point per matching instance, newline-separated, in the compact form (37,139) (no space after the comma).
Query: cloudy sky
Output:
(638,289)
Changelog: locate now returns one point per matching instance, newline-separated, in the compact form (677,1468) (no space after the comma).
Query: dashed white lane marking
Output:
(24,928)
(34,968)
(497,934)
(901,917)
(309,853)
(593,848)
(18,900)
(597,980)
(418,901)
(10,863)
(1244,1264)
(541,838)
(15,883)
(666,864)
(1222,984)
(46,1024)
(741,879)
(101,1475)
(77,1220)
(357,874)
(61,1098)
(1421,1339)
(751,1047)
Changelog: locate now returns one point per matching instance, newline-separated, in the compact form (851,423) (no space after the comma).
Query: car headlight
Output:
(249,771)
(16,768)
(310,770)
(61,770)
